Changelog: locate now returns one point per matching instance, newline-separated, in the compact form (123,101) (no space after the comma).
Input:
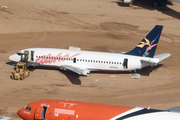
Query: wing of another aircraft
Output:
(80,71)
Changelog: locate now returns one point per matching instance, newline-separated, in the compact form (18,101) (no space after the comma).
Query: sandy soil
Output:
(97,25)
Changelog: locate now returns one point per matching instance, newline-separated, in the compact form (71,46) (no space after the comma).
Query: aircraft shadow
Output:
(9,63)
(73,77)
(147,4)
(147,70)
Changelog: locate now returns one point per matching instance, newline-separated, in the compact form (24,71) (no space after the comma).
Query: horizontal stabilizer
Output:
(150,61)
(162,56)
(176,109)
(80,71)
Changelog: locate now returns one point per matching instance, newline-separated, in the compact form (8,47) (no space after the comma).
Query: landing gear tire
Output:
(12,76)
(163,4)
(155,4)
(22,77)
(28,74)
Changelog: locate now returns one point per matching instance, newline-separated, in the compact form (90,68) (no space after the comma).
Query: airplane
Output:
(83,62)
(73,110)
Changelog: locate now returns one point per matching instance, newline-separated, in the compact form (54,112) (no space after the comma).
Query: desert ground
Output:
(95,25)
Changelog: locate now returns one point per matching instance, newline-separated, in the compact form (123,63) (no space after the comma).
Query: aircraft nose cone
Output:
(14,58)
(25,115)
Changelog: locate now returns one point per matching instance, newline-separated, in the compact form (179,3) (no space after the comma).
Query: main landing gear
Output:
(161,3)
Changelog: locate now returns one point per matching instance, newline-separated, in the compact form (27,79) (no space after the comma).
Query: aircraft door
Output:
(26,57)
(40,113)
(74,60)
(32,56)
(125,63)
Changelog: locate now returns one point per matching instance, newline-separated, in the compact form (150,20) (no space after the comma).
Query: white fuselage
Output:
(82,59)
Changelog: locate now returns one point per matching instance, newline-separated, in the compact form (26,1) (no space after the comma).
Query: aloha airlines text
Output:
(49,58)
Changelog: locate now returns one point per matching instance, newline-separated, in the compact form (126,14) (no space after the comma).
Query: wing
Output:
(78,70)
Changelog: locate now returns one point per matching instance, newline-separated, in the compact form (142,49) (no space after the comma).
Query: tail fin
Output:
(147,46)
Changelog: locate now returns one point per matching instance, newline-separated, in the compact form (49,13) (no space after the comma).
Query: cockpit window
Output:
(27,108)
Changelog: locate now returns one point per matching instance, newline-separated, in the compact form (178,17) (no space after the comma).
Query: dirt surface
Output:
(96,25)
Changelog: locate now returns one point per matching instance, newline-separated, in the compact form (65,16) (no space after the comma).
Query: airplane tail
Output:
(147,46)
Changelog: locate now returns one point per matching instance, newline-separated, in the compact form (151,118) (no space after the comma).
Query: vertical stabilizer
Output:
(147,46)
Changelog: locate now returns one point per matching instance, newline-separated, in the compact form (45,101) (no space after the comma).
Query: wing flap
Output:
(80,71)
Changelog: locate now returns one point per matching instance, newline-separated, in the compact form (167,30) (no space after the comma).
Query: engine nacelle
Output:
(127,1)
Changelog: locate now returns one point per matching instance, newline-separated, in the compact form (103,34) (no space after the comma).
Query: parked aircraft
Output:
(72,110)
(82,62)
